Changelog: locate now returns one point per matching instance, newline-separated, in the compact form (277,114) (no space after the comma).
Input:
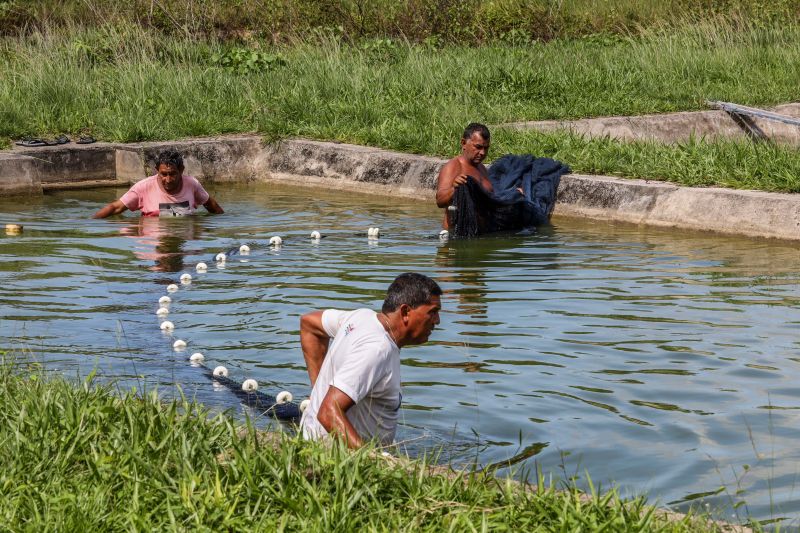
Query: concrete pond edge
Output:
(246,158)
(677,127)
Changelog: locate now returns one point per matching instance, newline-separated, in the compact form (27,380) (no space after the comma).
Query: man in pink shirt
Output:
(167,193)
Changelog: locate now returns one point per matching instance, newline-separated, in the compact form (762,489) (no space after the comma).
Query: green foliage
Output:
(80,458)
(384,50)
(244,61)
(127,84)
(463,22)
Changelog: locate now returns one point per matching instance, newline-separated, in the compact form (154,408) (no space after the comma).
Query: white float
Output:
(244,249)
(250,385)
(315,235)
(197,357)
(167,326)
(374,233)
(162,312)
(165,300)
(186,278)
(221,257)
(172,288)
(221,371)
(201,267)
(304,405)
(283,397)
(275,241)
(179,344)
(444,235)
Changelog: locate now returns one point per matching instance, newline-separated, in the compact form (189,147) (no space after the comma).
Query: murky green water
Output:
(663,362)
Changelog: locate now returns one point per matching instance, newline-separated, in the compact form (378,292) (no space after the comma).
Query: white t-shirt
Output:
(364,363)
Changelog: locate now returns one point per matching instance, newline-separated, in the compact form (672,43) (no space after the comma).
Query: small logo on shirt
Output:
(348,329)
(176,209)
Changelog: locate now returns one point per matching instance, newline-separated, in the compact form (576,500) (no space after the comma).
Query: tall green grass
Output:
(127,84)
(79,457)
(464,22)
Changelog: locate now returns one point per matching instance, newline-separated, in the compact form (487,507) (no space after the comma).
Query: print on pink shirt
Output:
(149,198)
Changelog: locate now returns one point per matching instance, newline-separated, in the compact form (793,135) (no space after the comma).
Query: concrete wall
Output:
(73,165)
(375,171)
(19,175)
(344,166)
(675,127)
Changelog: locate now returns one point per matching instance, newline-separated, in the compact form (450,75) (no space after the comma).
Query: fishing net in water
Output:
(523,196)
(463,213)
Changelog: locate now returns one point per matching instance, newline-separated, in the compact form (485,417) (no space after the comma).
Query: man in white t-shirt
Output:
(353,360)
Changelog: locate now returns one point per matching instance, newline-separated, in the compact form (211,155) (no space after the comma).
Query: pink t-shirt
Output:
(148,197)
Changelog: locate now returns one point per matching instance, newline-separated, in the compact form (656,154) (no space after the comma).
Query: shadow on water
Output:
(466,263)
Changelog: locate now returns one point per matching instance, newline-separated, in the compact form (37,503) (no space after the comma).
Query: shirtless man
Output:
(474,148)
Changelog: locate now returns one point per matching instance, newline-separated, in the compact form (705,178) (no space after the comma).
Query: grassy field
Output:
(79,457)
(126,83)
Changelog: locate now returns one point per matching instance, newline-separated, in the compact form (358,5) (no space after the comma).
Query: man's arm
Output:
(213,207)
(114,208)
(332,416)
(314,342)
(450,177)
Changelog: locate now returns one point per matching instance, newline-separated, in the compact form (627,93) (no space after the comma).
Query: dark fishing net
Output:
(463,212)
(524,195)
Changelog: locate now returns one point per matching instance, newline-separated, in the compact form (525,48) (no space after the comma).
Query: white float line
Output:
(248,385)
(251,385)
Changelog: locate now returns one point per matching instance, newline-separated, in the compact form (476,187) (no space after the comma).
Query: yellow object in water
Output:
(13,229)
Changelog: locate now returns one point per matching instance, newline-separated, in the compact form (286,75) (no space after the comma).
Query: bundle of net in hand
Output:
(523,196)
(463,211)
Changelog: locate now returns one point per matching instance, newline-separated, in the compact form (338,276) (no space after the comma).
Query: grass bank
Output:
(124,83)
(77,457)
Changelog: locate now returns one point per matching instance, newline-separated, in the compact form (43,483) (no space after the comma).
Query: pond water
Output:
(660,362)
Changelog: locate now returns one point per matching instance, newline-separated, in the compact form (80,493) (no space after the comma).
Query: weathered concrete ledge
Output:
(19,175)
(675,127)
(376,171)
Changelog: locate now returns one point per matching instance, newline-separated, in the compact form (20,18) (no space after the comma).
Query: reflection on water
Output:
(161,241)
(662,361)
